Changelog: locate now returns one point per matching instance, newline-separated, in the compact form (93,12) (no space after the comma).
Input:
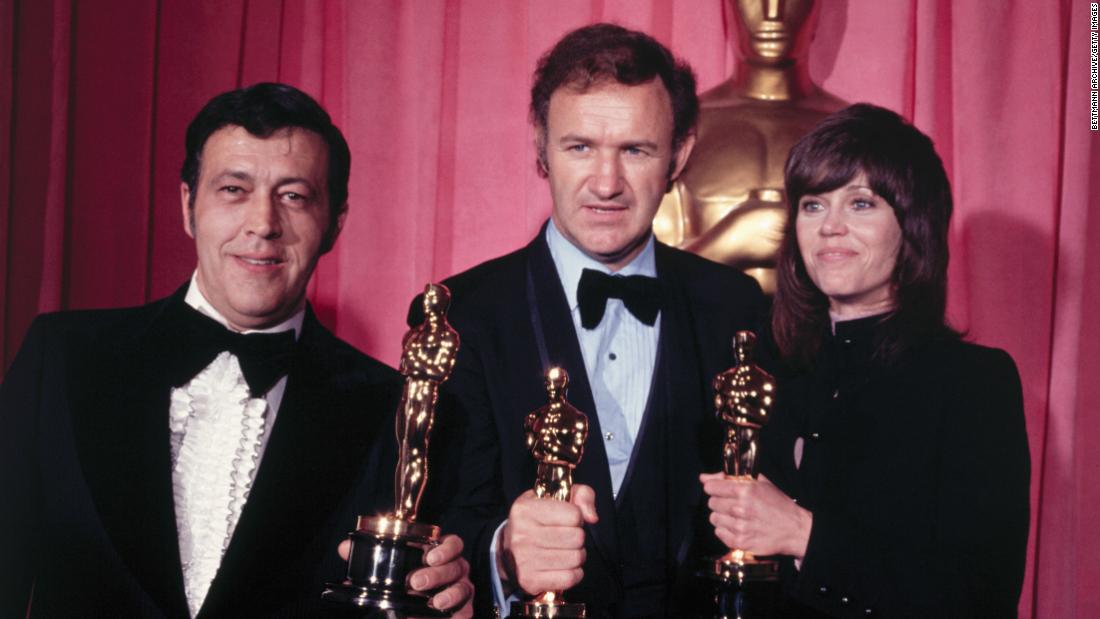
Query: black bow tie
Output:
(640,294)
(264,357)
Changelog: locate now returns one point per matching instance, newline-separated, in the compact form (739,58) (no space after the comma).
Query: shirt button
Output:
(844,601)
(612,356)
(836,394)
(609,436)
(816,436)
(867,612)
(823,590)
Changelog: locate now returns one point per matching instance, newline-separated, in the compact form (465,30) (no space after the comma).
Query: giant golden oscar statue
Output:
(728,203)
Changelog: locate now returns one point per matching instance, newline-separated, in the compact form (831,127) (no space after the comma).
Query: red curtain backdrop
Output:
(432,95)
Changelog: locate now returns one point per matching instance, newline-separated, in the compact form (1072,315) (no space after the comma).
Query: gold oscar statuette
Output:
(385,549)
(555,434)
(743,401)
(729,204)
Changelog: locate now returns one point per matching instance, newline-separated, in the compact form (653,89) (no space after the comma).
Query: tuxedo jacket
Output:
(87,521)
(513,319)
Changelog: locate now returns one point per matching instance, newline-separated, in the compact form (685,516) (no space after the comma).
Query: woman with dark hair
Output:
(902,446)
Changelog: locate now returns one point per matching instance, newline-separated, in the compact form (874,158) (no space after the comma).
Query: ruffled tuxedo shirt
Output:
(218,433)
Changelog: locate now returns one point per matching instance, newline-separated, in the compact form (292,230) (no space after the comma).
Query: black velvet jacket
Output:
(916,474)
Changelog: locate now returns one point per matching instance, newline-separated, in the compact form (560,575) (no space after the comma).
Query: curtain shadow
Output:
(832,22)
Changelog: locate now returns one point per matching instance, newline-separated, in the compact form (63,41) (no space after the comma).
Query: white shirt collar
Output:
(570,262)
(197,300)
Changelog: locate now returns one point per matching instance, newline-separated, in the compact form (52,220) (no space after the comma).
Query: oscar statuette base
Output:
(537,609)
(745,587)
(384,551)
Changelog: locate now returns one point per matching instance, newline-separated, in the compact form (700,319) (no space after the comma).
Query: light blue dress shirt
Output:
(619,354)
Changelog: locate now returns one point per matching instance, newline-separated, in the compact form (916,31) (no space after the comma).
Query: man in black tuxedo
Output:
(157,461)
(641,328)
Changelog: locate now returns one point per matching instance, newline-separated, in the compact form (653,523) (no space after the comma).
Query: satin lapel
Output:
(120,424)
(690,432)
(331,424)
(563,349)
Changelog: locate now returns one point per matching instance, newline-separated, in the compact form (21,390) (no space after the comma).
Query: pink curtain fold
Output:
(432,96)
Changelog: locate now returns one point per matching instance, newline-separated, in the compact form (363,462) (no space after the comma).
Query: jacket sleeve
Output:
(20,397)
(974,567)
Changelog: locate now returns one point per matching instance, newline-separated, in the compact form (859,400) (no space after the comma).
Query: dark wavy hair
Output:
(902,167)
(599,53)
(262,109)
